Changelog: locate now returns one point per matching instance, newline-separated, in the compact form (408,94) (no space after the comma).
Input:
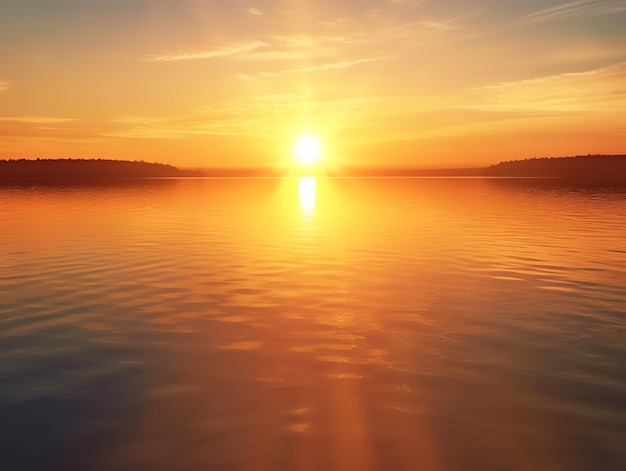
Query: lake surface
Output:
(313,324)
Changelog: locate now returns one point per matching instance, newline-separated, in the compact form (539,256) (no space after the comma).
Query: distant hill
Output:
(582,168)
(86,170)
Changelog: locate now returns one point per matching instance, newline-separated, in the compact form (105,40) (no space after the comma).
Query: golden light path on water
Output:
(307,191)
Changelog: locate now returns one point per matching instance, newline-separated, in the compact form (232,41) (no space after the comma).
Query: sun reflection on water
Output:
(307,190)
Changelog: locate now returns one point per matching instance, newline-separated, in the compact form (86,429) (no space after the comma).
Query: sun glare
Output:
(307,150)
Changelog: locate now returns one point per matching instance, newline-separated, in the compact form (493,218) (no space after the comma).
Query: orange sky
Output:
(201,83)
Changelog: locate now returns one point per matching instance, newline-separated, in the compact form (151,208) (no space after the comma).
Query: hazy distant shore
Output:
(590,168)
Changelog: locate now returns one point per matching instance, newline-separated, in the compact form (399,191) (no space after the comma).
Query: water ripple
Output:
(460,324)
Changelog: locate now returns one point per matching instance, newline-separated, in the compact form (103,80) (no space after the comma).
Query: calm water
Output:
(341,324)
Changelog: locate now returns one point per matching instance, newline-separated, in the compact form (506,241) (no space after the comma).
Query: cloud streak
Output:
(577,8)
(599,89)
(258,117)
(338,37)
(337,65)
(228,50)
(217,123)
(36,119)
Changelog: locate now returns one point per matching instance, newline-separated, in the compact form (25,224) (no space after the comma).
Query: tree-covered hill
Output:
(77,170)
(610,168)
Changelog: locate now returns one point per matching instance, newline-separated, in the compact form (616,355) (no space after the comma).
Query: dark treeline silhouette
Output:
(588,168)
(582,168)
(86,170)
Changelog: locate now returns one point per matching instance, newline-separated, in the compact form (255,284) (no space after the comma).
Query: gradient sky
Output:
(421,83)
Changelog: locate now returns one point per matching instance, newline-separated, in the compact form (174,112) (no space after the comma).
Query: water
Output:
(314,324)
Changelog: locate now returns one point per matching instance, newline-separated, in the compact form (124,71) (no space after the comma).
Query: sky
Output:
(216,83)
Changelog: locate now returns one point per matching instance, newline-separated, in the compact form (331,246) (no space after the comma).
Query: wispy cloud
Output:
(259,117)
(276,55)
(406,2)
(277,104)
(226,50)
(29,129)
(336,65)
(577,8)
(298,46)
(143,120)
(306,40)
(337,37)
(599,89)
(343,64)
(269,48)
(373,30)
(224,123)
(36,119)
(4,85)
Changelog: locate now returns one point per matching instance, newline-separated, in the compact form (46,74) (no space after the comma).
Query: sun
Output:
(307,150)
